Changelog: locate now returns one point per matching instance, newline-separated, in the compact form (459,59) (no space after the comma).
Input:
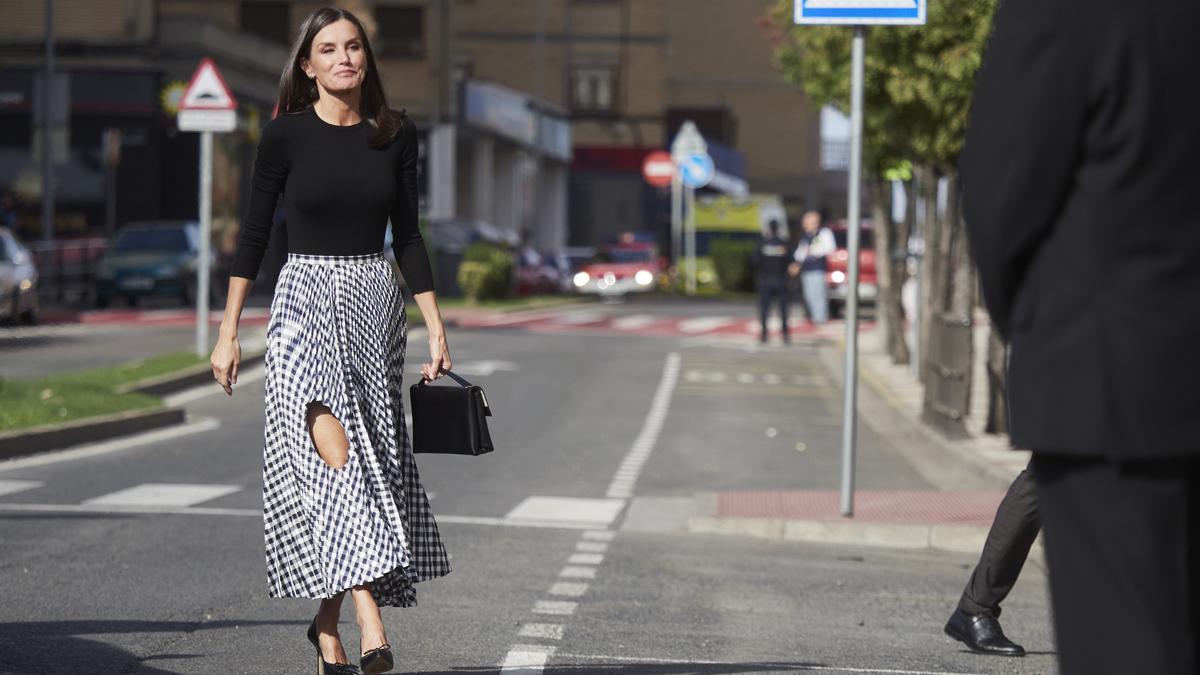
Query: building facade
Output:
(537,113)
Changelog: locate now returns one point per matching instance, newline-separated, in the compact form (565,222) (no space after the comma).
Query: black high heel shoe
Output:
(378,660)
(324,667)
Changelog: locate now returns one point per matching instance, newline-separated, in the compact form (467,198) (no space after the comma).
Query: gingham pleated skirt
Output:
(336,336)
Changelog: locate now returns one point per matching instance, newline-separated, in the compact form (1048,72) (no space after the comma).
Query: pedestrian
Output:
(344,509)
(771,261)
(816,245)
(1079,173)
(976,620)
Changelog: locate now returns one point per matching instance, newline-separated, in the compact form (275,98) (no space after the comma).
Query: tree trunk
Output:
(933,264)
(890,272)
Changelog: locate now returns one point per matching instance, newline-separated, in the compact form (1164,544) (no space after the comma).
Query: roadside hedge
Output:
(485,272)
(732,260)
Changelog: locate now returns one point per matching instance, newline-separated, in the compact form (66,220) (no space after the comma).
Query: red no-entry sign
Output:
(658,169)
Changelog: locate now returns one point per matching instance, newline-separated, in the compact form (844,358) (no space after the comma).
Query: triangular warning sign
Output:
(207,90)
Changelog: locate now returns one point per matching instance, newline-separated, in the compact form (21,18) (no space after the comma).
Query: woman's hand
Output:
(224,360)
(439,357)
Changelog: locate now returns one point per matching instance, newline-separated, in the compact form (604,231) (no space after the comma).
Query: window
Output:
(593,88)
(268,20)
(401,31)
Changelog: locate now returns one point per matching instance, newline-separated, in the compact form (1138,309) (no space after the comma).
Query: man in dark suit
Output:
(1081,173)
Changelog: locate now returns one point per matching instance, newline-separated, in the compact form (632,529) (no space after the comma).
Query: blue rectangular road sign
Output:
(860,12)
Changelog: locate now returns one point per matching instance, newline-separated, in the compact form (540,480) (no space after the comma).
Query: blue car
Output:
(150,259)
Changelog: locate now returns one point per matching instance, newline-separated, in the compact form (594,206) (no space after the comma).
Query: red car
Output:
(835,276)
(619,269)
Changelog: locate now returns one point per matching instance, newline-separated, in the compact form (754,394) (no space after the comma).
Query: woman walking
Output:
(344,509)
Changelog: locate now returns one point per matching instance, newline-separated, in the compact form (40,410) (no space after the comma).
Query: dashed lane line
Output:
(590,550)
(761,666)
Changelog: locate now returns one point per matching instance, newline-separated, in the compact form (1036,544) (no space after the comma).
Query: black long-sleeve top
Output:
(338,194)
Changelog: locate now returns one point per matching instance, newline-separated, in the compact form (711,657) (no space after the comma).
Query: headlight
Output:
(644,278)
(582,279)
(838,277)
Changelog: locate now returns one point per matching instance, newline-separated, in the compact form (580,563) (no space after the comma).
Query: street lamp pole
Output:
(47,121)
(854,214)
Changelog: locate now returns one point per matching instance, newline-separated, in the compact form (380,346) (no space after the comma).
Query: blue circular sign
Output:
(697,170)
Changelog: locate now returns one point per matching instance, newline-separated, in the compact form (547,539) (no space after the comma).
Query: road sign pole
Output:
(677,220)
(691,241)
(854,213)
(206,165)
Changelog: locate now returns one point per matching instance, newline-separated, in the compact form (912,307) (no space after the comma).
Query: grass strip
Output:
(26,403)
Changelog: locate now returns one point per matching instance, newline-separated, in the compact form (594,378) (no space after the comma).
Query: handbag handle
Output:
(487,408)
(461,381)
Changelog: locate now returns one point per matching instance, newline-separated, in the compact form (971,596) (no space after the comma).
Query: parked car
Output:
(836,275)
(18,280)
(617,269)
(151,259)
(537,274)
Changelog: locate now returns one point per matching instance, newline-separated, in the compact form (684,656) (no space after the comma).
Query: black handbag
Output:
(450,420)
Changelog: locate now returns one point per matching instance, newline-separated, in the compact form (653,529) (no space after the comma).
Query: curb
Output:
(942,537)
(170,383)
(55,436)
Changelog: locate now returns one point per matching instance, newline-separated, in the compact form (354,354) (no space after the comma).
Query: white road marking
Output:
(212,388)
(526,659)
(546,631)
(591,547)
(745,378)
(8,487)
(568,589)
(599,535)
(176,495)
(803,667)
(704,324)
(693,376)
(134,509)
(131,509)
(573,572)
(633,321)
(105,447)
(579,318)
(631,466)
(585,559)
(772,378)
(558,607)
(571,509)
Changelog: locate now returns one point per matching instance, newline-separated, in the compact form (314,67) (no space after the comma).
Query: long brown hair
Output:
(297,92)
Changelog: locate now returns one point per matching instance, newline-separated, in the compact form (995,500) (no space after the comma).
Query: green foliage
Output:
(918,80)
(71,396)
(485,272)
(732,262)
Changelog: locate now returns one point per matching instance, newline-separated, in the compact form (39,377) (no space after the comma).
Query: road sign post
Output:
(207,106)
(857,13)
(695,169)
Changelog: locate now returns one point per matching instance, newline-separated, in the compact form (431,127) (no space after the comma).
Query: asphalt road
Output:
(553,573)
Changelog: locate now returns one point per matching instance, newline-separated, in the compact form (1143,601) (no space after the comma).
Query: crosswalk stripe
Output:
(633,321)
(578,318)
(704,324)
(164,494)
(8,487)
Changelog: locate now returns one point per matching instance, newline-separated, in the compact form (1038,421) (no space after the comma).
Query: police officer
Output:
(771,262)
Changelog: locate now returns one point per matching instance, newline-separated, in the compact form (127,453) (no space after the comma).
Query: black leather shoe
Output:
(324,667)
(981,633)
(378,660)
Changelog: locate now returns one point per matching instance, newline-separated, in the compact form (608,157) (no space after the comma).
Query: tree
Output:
(917,93)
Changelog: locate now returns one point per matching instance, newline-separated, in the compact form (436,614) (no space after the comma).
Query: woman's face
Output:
(337,60)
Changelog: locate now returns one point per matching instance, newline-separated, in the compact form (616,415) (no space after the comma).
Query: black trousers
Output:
(1013,532)
(777,290)
(1123,547)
